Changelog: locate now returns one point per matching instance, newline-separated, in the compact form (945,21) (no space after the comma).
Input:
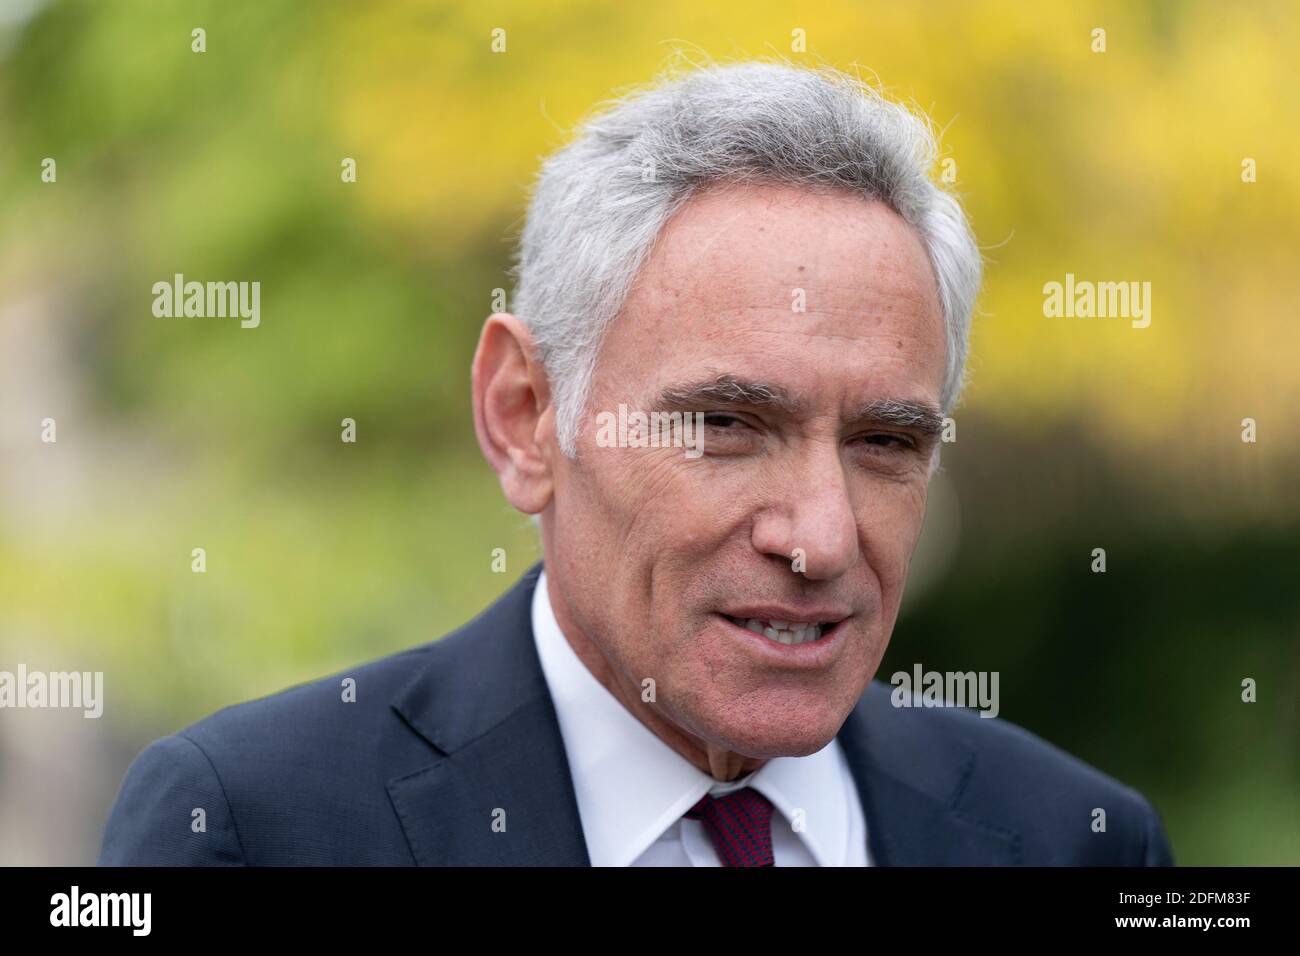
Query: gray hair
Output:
(599,203)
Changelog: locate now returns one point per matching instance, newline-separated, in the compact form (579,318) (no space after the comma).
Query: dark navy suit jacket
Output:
(442,737)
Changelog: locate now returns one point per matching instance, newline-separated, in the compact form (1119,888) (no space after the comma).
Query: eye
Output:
(889,440)
(725,434)
(723,421)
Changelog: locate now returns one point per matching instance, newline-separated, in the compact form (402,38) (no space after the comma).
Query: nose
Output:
(812,522)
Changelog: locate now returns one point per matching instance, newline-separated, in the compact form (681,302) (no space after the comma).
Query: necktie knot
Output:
(739,824)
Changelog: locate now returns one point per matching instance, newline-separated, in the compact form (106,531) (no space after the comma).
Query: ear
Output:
(513,418)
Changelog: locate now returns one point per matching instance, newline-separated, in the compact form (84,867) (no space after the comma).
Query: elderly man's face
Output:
(813,314)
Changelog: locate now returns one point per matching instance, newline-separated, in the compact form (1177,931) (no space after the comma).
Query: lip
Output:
(778,612)
(811,655)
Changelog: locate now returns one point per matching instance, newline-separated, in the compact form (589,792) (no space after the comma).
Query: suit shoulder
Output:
(1013,778)
(295,777)
(354,697)
(1001,747)
(171,811)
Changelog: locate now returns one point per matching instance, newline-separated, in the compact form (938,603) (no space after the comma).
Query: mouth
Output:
(785,631)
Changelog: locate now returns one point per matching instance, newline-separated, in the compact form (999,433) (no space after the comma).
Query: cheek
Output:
(890,530)
(655,510)
(631,526)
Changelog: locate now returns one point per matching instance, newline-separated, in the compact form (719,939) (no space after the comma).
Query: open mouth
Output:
(785,632)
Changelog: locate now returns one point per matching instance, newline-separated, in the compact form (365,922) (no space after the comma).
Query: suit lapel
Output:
(911,779)
(497,791)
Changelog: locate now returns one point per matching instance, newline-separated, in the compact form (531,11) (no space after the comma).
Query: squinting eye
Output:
(889,440)
(722,421)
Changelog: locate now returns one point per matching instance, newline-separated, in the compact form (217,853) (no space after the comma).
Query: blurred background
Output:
(1074,434)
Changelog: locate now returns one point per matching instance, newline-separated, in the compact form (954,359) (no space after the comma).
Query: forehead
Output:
(780,280)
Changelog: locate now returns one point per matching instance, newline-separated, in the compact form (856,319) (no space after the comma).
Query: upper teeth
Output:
(784,632)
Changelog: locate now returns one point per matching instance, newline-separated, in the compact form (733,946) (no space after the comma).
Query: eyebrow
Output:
(919,417)
(730,390)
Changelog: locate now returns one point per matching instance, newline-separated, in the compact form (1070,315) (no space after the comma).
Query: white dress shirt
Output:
(632,788)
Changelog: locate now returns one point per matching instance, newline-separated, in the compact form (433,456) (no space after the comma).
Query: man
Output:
(755,250)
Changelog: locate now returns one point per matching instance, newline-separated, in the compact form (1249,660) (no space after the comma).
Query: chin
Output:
(776,731)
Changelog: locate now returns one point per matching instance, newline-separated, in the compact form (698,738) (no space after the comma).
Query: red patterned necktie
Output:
(740,826)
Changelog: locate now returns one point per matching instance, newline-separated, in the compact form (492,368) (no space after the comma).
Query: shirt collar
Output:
(631,786)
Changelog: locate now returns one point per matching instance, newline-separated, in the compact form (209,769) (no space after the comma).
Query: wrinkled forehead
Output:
(814,290)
